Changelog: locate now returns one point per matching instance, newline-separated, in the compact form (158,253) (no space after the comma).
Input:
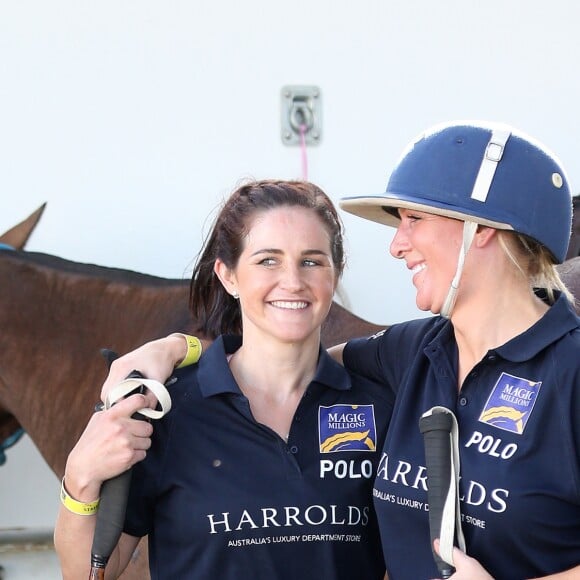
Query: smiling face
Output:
(429,244)
(285,276)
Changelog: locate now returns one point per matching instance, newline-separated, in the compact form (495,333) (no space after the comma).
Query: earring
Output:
(235,295)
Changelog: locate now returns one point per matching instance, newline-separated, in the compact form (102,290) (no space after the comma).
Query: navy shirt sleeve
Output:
(386,356)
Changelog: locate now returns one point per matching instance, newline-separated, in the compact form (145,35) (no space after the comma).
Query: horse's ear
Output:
(17,236)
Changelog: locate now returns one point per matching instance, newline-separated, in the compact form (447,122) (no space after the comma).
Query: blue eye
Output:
(310,263)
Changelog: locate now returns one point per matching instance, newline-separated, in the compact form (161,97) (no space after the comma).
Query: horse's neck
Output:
(54,322)
(46,301)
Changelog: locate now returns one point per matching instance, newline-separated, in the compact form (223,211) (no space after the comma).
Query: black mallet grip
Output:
(436,429)
(112,505)
(110,518)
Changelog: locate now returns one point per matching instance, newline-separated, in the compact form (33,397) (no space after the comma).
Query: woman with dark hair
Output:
(263,468)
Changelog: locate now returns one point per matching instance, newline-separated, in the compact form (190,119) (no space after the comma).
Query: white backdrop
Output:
(134,118)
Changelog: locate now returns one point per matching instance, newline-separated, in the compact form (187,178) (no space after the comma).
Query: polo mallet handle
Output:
(436,429)
(110,518)
(112,507)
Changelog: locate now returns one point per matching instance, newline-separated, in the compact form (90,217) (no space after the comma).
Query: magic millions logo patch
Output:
(347,428)
(510,403)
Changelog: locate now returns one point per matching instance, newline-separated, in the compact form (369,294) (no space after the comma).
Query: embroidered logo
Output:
(347,428)
(510,403)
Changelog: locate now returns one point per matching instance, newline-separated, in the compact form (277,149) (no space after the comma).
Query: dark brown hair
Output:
(213,309)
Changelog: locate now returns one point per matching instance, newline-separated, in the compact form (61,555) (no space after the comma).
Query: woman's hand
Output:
(466,568)
(111,444)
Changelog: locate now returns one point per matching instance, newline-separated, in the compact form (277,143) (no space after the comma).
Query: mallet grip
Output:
(112,507)
(436,429)
(110,518)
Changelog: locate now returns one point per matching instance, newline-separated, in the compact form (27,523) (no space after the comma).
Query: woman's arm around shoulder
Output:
(155,359)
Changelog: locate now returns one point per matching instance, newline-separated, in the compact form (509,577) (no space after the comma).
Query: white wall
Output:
(133,119)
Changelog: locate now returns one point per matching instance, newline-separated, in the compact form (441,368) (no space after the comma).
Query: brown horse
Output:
(56,315)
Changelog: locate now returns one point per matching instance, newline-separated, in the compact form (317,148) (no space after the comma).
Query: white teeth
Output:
(418,268)
(290,305)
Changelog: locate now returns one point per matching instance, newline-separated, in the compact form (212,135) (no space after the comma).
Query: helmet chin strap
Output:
(492,156)
(469,229)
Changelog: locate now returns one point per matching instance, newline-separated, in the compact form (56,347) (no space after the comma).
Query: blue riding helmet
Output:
(482,172)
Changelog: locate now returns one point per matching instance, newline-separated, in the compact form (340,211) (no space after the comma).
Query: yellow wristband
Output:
(194,350)
(77,507)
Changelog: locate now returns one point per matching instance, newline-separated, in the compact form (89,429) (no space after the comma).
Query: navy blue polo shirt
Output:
(222,496)
(519,438)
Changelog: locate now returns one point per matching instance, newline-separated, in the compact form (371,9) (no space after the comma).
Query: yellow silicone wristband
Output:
(77,507)
(194,350)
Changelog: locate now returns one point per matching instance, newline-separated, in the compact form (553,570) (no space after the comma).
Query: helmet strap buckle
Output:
(491,158)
